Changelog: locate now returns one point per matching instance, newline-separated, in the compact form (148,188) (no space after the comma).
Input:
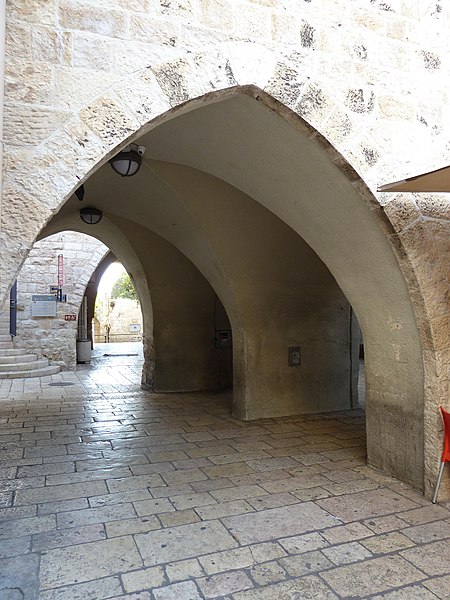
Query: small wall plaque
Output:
(43,305)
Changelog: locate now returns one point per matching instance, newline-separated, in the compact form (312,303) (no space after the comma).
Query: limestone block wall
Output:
(121,315)
(81,78)
(53,337)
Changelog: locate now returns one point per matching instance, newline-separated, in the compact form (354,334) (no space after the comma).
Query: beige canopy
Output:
(434,181)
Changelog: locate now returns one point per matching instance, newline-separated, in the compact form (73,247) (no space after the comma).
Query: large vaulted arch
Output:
(242,143)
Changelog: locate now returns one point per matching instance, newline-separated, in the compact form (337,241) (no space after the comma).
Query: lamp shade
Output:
(90,215)
(126,164)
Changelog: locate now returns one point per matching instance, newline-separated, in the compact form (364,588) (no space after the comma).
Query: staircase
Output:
(15,362)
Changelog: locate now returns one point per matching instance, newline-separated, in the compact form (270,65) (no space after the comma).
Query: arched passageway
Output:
(238,185)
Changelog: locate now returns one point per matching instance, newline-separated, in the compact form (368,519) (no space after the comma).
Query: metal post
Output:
(13,310)
(438,483)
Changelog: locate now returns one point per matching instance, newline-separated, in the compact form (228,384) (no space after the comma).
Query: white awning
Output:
(434,181)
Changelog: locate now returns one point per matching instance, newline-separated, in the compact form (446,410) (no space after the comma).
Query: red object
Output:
(60,270)
(446,419)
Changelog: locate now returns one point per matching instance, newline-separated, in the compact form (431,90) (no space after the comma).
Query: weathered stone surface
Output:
(224,583)
(377,575)
(305,564)
(185,589)
(346,553)
(218,15)
(278,522)
(183,542)
(202,562)
(93,560)
(227,560)
(184,569)
(439,586)
(76,89)
(304,543)
(18,34)
(108,120)
(389,542)
(432,559)
(28,83)
(270,572)
(429,532)
(51,46)
(78,535)
(92,52)
(25,10)
(365,504)
(143,579)
(19,574)
(106,22)
(412,592)
(99,589)
(144,96)
(28,126)
(307,588)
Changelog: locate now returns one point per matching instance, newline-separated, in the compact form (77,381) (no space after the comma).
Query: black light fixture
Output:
(79,193)
(90,215)
(128,162)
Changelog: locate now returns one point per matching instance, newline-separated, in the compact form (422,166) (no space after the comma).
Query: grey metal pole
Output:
(438,483)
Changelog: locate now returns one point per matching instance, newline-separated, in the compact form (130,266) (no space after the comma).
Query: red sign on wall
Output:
(60,270)
(70,317)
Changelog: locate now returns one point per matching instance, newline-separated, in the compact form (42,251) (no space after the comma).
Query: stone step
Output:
(6,345)
(11,351)
(17,358)
(5,337)
(44,372)
(24,366)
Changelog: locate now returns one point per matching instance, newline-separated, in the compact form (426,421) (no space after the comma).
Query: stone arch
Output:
(176,302)
(39,271)
(140,103)
(117,243)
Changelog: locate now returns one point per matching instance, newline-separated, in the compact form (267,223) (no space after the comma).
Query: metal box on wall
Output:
(43,305)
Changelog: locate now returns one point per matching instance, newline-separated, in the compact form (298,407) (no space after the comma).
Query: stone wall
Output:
(81,78)
(124,318)
(53,337)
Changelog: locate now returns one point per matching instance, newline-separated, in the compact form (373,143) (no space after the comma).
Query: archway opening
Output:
(117,316)
(246,155)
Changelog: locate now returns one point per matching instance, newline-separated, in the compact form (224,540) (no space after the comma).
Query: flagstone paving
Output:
(108,491)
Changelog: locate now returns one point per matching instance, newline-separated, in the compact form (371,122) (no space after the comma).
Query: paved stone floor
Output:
(108,491)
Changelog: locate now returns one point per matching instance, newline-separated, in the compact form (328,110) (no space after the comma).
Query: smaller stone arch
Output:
(113,240)
(55,338)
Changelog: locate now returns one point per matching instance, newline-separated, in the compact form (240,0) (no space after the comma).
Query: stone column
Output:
(2,89)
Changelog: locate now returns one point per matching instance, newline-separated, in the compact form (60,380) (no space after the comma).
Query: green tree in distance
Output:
(124,288)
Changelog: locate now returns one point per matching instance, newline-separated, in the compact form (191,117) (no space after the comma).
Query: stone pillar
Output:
(2,91)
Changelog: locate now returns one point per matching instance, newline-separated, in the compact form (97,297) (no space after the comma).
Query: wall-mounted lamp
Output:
(128,162)
(79,193)
(91,216)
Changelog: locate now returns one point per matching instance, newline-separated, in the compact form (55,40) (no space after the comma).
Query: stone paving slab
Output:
(372,576)
(305,588)
(187,541)
(110,492)
(85,562)
(432,559)
(362,505)
(279,522)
